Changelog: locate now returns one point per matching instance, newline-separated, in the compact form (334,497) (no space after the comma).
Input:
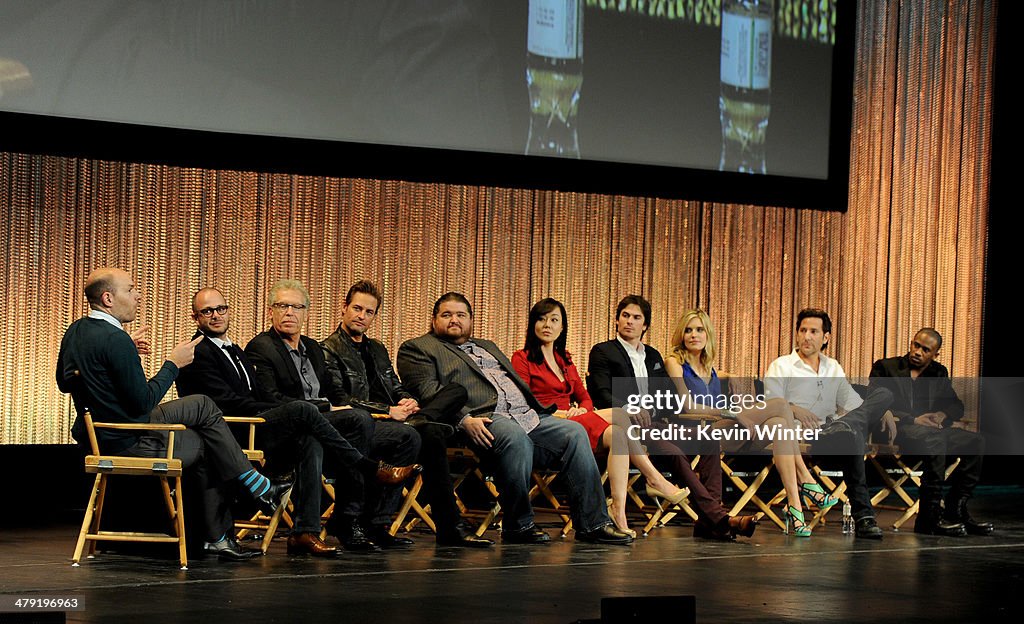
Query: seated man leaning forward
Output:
(291,366)
(504,423)
(927,406)
(816,387)
(99,365)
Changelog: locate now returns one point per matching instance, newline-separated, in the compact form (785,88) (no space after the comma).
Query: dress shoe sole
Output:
(466,544)
(980,531)
(299,550)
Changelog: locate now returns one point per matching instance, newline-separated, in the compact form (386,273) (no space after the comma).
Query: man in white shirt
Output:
(816,387)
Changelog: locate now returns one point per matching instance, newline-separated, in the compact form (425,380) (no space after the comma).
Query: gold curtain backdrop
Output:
(909,252)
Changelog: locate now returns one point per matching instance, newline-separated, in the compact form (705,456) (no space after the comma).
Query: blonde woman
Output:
(690,363)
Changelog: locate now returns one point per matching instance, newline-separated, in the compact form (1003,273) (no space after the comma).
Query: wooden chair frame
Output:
(165,468)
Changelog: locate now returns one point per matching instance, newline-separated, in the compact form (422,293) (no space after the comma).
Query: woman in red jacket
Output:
(547,368)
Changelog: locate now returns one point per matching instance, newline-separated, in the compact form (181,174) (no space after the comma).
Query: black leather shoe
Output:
(867,528)
(276,495)
(939,527)
(930,522)
(462,536)
(387,541)
(608,534)
(353,537)
(836,438)
(530,535)
(230,550)
(960,514)
(309,544)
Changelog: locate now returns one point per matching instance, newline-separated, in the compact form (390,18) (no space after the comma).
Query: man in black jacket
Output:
(295,432)
(625,366)
(291,366)
(99,365)
(361,367)
(926,405)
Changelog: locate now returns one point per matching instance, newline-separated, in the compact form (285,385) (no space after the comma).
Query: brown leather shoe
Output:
(394,475)
(742,525)
(309,544)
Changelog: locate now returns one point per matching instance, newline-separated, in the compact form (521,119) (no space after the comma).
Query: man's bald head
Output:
(111,290)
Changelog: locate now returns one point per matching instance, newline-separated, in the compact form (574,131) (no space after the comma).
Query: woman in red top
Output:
(547,368)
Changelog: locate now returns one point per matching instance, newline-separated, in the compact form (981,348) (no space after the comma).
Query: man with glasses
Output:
(291,366)
(295,433)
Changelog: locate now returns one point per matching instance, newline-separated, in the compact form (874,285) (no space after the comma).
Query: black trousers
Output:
(861,422)
(296,435)
(937,448)
(441,414)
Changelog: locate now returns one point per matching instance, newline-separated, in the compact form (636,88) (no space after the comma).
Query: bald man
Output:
(99,365)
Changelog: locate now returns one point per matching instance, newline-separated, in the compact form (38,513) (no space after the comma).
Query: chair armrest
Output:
(141,426)
(377,416)
(252,420)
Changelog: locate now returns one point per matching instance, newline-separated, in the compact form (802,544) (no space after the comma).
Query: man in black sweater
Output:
(99,365)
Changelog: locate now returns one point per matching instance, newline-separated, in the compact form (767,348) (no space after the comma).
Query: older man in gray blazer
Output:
(503,422)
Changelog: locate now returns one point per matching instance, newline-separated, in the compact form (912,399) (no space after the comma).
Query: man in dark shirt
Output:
(927,406)
(362,367)
(291,366)
(99,365)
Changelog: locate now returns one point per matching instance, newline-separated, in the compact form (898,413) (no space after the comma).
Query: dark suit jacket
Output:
(426,364)
(894,374)
(211,373)
(608,361)
(276,374)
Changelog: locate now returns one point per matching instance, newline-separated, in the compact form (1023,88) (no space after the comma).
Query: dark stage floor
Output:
(828,578)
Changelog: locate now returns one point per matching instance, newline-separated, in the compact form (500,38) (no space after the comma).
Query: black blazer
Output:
(211,373)
(608,361)
(894,374)
(276,374)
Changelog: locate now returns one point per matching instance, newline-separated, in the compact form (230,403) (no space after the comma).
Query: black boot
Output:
(930,522)
(957,510)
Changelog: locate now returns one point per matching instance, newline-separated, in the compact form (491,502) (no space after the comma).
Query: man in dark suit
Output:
(362,367)
(926,406)
(626,366)
(295,432)
(503,422)
(291,366)
(99,365)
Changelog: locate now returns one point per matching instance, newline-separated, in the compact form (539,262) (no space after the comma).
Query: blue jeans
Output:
(556,444)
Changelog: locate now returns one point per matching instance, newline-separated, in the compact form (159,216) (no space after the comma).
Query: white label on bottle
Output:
(555,29)
(746,51)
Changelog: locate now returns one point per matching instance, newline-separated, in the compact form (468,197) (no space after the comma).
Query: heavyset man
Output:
(503,422)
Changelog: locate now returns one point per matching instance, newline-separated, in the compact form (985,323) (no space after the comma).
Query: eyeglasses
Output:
(208,312)
(281,307)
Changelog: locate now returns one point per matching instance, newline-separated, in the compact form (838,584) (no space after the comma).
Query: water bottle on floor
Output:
(847,518)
